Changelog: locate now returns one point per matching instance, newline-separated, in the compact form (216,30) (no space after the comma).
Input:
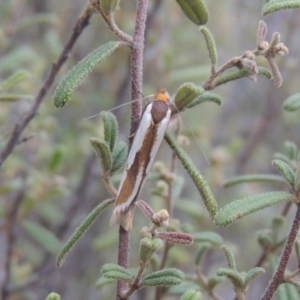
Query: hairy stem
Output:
(136,110)
(278,277)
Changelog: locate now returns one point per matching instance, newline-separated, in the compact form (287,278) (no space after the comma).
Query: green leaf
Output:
(266,178)
(148,247)
(102,281)
(43,236)
(265,239)
(116,272)
(191,295)
(206,97)
(237,209)
(81,230)
(281,156)
(53,296)
(110,128)
(75,76)
(164,277)
(208,237)
(202,250)
(285,170)
(103,153)
(213,281)
(186,93)
(252,274)
(240,74)
(292,103)
(234,276)
(201,184)
(291,150)
(119,156)
(14,79)
(195,10)
(274,6)
(210,43)
(230,257)
(109,6)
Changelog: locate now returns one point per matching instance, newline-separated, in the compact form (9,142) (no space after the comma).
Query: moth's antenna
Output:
(124,104)
(194,136)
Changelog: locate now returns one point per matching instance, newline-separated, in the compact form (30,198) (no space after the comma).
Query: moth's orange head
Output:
(163,96)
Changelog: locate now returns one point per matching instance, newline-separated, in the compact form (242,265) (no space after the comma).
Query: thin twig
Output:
(81,23)
(109,20)
(278,277)
(136,110)
(203,283)
(135,285)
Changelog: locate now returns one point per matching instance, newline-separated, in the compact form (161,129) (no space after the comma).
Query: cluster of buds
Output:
(267,49)
(160,220)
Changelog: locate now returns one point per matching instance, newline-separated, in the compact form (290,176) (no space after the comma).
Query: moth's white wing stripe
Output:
(139,135)
(122,207)
(160,135)
(137,142)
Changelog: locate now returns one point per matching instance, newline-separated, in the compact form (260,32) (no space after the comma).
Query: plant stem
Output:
(136,111)
(81,23)
(278,277)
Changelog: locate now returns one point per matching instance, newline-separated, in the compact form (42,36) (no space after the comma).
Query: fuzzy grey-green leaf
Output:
(103,153)
(206,97)
(230,258)
(237,209)
(274,6)
(80,231)
(110,128)
(291,150)
(240,74)
(266,178)
(210,43)
(235,277)
(164,277)
(119,156)
(186,93)
(148,247)
(252,274)
(201,251)
(285,170)
(195,10)
(75,76)
(191,295)
(53,296)
(114,271)
(292,103)
(201,184)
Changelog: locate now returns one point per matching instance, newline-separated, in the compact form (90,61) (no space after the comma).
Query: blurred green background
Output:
(60,171)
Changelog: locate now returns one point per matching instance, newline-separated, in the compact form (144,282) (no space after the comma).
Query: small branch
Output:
(203,283)
(278,277)
(109,20)
(136,110)
(81,23)
(135,285)
(137,64)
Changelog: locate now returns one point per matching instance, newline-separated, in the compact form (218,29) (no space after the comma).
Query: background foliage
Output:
(54,172)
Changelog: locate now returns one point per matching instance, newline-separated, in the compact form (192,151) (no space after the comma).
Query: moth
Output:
(146,142)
